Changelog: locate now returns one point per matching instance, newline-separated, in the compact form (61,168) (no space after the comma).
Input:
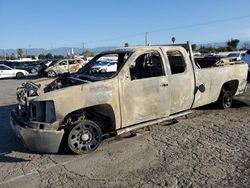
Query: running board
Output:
(142,125)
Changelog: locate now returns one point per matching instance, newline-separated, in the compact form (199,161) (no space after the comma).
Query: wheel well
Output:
(231,85)
(19,73)
(103,115)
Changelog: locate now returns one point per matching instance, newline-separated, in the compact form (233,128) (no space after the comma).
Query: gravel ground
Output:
(208,149)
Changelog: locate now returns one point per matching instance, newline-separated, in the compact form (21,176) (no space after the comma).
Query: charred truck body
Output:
(151,84)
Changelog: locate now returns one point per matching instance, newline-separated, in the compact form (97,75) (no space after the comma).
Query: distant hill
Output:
(54,51)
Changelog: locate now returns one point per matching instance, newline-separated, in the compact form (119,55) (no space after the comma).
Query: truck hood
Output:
(33,89)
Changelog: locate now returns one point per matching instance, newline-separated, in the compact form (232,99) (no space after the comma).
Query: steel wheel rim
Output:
(76,141)
(51,74)
(227,100)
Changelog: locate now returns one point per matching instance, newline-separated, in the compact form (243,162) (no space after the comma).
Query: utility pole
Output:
(83,46)
(146,38)
(30,50)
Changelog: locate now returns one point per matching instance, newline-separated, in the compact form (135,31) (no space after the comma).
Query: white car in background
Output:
(235,56)
(104,66)
(7,72)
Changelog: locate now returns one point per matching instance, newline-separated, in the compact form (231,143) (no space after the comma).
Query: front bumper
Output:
(36,139)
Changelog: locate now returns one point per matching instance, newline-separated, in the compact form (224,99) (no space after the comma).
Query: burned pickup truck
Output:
(151,84)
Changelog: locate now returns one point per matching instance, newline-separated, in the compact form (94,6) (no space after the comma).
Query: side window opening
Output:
(72,62)
(176,61)
(146,66)
(63,63)
(4,68)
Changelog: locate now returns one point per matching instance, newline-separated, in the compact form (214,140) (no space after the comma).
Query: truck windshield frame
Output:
(88,71)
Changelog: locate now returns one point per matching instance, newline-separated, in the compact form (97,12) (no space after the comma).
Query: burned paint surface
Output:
(66,66)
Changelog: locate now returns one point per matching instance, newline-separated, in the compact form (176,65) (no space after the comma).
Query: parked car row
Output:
(49,68)
(30,67)
(53,68)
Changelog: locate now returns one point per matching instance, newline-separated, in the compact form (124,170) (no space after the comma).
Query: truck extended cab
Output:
(151,84)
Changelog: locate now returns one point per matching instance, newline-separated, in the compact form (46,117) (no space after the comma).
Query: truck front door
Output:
(144,91)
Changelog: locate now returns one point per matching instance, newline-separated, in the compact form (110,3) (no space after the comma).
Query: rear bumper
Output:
(35,139)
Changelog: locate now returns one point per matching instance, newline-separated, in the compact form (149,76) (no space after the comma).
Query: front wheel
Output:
(226,99)
(51,74)
(84,137)
(19,75)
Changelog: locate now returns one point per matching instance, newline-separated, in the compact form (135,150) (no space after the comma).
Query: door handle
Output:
(164,85)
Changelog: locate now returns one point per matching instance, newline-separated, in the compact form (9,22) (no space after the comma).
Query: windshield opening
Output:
(103,66)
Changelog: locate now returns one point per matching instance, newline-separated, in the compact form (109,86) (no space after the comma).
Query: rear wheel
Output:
(226,99)
(51,74)
(84,137)
(19,75)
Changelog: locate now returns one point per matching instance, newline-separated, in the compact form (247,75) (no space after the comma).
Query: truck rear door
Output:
(181,80)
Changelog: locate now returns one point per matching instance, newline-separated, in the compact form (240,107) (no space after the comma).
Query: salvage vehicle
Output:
(64,66)
(8,72)
(43,66)
(152,84)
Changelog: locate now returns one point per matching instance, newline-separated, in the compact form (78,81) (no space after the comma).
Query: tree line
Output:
(231,45)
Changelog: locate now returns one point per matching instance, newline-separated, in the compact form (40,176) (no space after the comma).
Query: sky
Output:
(96,23)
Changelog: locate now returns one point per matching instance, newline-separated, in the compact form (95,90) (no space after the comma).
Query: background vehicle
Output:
(235,56)
(31,67)
(104,66)
(44,65)
(152,84)
(64,66)
(8,72)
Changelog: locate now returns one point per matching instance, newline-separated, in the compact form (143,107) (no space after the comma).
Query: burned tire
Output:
(51,74)
(225,99)
(19,75)
(84,137)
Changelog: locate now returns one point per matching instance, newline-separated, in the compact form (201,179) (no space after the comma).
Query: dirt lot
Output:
(209,149)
